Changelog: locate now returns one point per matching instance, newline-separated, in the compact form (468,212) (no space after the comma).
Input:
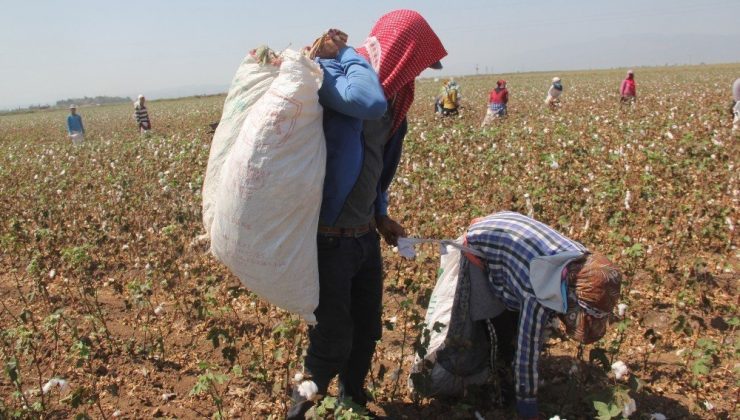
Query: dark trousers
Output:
(349,313)
(507,327)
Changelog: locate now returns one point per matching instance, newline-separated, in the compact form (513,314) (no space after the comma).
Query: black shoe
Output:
(300,406)
(299,409)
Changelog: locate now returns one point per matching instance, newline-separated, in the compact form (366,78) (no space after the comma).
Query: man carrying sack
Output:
(362,157)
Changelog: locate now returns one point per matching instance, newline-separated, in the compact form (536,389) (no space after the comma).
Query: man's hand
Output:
(390,229)
(329,44)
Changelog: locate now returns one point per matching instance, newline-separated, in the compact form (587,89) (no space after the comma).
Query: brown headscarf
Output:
(593,292)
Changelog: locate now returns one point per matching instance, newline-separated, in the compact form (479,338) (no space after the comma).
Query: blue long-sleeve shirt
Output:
(350,94)
(74,124)
(510,242)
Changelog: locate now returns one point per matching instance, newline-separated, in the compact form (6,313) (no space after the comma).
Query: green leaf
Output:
(220,378)
(700,366)
(201,385)
(602,410)
(635,383)
(11,368)
(237,371)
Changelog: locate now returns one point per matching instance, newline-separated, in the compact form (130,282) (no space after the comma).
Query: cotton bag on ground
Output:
(266,210)
(253,77)
(455,349)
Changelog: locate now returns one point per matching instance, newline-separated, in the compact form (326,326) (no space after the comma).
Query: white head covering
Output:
(555,79)
(140,97)
(73,106)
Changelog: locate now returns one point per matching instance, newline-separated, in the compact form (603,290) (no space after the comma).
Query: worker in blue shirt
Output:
(350,93)
(364,126)
(75,129)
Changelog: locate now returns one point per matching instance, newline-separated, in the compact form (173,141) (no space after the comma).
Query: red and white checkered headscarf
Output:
(400,46)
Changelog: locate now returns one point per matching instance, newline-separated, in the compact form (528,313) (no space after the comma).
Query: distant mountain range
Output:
(183,91)
(97,100)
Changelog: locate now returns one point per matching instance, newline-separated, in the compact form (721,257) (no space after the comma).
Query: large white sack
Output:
(454,350)
(266,210)
(252,79)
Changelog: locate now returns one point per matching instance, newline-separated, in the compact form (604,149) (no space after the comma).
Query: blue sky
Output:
(54,49)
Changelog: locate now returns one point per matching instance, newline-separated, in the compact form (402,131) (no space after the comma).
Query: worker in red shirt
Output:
(497,100)
(628,89)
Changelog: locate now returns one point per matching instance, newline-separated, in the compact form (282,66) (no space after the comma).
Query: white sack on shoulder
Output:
(251,81)
(266,209)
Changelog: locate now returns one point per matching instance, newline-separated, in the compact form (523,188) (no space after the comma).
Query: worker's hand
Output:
(390,229)
(330,44)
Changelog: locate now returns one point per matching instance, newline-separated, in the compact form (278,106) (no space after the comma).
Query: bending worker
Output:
(536,273)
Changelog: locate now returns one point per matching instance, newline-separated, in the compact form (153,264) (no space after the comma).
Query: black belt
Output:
(351,232)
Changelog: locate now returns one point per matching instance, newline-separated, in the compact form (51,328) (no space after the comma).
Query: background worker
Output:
(75,128)
(141,115)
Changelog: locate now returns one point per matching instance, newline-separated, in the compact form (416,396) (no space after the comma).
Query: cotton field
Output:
(113,308)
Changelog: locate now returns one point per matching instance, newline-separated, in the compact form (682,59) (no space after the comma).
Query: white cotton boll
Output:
(393,319)
(622,308)
(298,377)
(308,390)
(556,418)
(629,408)
(657,416)
(52,273)
(59,192)
(117,413)
(55,382)
(168,396)
(709,406)
(159,310)
(619,369)
(554,165)
(49,385)
(63,385)
(627,198)
(478,416)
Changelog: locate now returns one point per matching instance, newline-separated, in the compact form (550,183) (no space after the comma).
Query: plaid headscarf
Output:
(400,46)
(593,291)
